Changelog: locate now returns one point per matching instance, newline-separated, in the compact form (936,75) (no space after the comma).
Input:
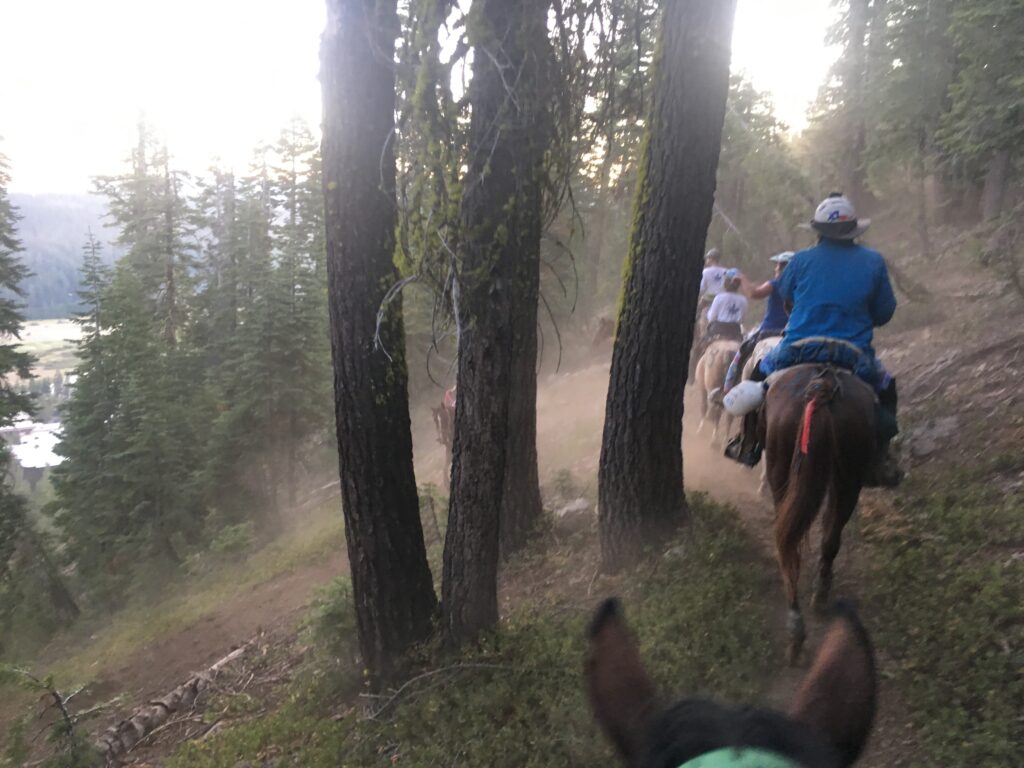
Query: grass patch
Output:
(52,343)
(517,700)
(143,622)
(946,590)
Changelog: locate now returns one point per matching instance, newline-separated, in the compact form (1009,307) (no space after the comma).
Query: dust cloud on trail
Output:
(570,416)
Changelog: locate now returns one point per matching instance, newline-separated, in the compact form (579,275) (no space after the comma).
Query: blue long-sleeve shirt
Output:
(838,289)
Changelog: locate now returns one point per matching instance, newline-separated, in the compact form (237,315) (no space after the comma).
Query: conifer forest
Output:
(395,428)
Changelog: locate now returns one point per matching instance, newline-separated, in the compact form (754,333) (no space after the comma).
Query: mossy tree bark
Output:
(497,312)
(640,482)
(521,507)
(391,581)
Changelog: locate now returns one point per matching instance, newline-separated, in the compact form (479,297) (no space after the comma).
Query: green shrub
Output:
(331,623)
(564,484)
(517,700)
(947,603)
(234,539)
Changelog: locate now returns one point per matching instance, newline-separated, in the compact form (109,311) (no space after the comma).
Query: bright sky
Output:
(218,76)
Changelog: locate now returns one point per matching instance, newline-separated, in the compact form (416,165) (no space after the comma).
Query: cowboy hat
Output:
(836,219)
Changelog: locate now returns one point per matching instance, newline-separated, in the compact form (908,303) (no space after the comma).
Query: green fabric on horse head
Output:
(741,757)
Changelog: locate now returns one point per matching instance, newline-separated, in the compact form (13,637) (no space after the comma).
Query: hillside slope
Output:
(52,230)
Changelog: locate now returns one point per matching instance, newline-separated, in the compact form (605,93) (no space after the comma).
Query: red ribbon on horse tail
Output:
(805,434)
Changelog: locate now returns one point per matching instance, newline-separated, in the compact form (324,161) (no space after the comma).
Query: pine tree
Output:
(300,297)
(13,363)
(500,229)
(22,552)
(640,483)
(239,474)
(984,129)
(216,305)
(85,483)
(126,497)
(392,587)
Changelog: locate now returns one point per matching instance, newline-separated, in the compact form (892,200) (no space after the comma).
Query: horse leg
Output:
(703,395)
(789,564)
(837,513)
(719,416)
(787,551)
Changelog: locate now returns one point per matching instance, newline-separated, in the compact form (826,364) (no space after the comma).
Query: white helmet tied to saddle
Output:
(836,219)
(745,397)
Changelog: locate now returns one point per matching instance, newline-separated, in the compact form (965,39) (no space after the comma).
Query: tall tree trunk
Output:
(640,481)
(391,582)
(500,221)
(521,507)
(854,176)
(996,178)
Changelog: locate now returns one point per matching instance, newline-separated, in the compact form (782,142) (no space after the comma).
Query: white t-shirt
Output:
(728,308)
(712,281)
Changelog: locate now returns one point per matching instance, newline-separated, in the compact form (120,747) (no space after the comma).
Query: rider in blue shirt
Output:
(840,292)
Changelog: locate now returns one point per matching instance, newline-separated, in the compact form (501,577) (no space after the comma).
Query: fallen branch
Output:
(121,738)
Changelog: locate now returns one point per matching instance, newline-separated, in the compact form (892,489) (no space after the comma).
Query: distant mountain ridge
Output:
(52,231)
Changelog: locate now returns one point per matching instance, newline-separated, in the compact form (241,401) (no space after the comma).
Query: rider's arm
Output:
(883,303)
(762,291)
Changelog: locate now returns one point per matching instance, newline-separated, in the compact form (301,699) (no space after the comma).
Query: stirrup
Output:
(734,450)
(734,447)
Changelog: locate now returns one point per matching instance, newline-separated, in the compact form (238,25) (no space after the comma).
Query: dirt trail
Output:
(570,415)
(272,607)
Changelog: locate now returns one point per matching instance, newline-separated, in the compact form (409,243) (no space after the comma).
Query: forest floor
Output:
(936,567)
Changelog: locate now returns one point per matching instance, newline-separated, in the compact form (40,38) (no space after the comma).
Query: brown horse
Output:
(819,436)
(710,375)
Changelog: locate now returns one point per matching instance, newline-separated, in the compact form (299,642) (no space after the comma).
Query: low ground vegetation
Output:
(517,699)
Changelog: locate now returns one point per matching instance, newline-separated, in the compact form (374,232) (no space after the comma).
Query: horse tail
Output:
(810,475)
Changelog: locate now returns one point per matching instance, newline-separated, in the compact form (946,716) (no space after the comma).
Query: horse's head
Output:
(826,727)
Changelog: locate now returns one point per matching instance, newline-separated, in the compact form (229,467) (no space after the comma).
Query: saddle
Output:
(826,369)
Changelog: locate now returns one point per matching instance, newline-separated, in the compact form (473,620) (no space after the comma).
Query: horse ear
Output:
(619,690)
(838,697)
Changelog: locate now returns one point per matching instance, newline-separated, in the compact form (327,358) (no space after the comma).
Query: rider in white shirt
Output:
(712,279)
(728,307)
(724,317)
